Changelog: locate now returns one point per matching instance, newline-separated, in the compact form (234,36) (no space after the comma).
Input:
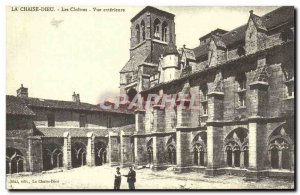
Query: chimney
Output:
(22,92)
(75,97)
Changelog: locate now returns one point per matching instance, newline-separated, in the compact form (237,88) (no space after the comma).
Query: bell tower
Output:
(152,23)
(152,34)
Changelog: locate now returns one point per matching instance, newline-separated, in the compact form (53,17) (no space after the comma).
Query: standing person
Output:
(117,179)
(131,178)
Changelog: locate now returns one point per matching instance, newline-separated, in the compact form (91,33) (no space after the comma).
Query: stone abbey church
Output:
(244,124)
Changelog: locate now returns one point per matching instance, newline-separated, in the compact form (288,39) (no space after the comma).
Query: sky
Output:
(86,51)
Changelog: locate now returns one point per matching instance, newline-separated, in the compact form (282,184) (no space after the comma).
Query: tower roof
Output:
(152,9)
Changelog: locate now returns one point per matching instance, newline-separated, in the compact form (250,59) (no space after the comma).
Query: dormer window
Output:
(242,99)
(241,80)
(128,79)
(289,88)
(203,99)
(204,92)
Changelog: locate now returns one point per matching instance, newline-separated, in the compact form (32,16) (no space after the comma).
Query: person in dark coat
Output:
(117,179)
(131,178)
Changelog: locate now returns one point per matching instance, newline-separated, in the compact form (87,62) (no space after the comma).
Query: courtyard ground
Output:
(102,177)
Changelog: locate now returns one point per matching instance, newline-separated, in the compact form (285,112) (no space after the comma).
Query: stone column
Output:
(34,154)
(67,158)
(90,149)
(158,118)
(140,145)
(184,151)
(233,159)
(122,149)
(215,139)
(225,159)
(292,158)
(154,159)
(199,159)
(126,150)
(242,159)
(114,150)
(280,159)
(205,158)
(258,139)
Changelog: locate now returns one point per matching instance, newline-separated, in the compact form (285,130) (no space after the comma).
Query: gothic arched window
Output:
(281,149)
(137,29)
(143,30)
(157,29)
(164,33)
(236,148)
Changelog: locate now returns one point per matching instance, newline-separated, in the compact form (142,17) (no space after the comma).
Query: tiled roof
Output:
(74,132)
(200,50)
(46,103)
(82,132)
(269,21)
(134,62)
(16,106)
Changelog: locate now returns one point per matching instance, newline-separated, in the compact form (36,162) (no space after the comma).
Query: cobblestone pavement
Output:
(102,177)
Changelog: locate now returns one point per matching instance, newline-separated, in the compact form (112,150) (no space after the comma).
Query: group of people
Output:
(131,178)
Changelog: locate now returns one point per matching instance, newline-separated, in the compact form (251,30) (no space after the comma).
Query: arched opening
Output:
(285,158)
(202,163)
(131,94)
(236,151)
(100,153)
(78,154)
(138,32)
(195,151)
(280,148)
(143,30)
(157,29)
(199,149)
(15,161)
(52,156)
(237,154)
(172,155)
(150,152)
(274,158)
(229,157)
(164,33)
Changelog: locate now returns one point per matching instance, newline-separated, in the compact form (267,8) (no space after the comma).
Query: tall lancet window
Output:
(164,32)
(143,30)
(138,32)
(157,29)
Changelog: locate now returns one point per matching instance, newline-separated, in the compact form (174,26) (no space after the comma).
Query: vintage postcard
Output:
(150,98)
